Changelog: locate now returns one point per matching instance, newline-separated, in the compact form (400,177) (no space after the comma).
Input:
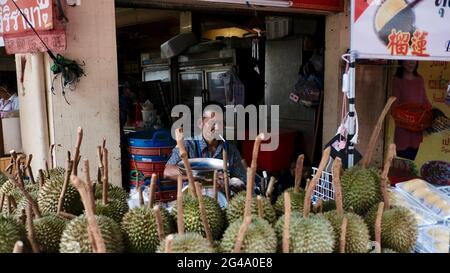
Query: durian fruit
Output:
(235,209)
(49,197)
(48,231)
(297,196)
(115,209)
(388,250)
(187,243)
(11,231)
(360,189)
(140,229)
(55,172)
(398,224)
(308,233)
(357,234)
(75,237)
(114,192)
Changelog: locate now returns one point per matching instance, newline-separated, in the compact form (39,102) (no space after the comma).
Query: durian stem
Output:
(30,229)
(23,217)
(10,167)
(270,187)
(151,191)
(298,173)
(77,150)
(18,247)
(203,215)
(249,194)
(50,155)
(314,181)
(187,164)
(41,179)
(100,164)
(2,200)
(342,238)
(376,132)
(180,208)
(241,235)
(47,173)
(104,143)
(319,206)
(337,165)
(98,244)
(67,215)
(384,176)
(168,243)
(17,163)
(287,221)
(25,193)
(215,185)
(225,174)
(260,207)
(159,222)
(28,168)
(69,165)
(378,227)
(89,186)
(105,176)
(8,204)
(140,192)
(13,202)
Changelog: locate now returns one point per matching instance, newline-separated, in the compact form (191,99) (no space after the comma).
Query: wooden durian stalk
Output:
(298,173)
(8,204)
(187,164)
(16,162)
(30,230)
(314,181)
(287,221)
(76,153)
(159,222)
(47,173)
(2,200)
(269,191)
(69,166)
(376,133)
(342,238)
(67,215)
(28,168)
(384,175)
(100,164)
(215,185)
(168,244)
(244,163)
(41,179)
(18,247)
(89,186)
(378,227)
(225,174)
(319,206)
(140,191)
(50,155)
(180,208)
(151,191)
(260,204)
(105,176)
(337,165)
(9,168)
(13,202)
(203,215)
(95,236)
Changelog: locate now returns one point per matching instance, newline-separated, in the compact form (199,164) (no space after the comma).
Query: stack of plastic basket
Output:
(149,152)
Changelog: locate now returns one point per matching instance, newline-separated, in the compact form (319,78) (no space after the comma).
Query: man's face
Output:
(212,125)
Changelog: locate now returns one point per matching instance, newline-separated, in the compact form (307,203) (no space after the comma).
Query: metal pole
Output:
(351,108)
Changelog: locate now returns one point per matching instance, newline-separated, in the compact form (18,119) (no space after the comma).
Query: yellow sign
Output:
(435,146)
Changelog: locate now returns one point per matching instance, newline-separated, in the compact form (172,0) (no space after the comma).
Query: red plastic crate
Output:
(273,161)
(161,151)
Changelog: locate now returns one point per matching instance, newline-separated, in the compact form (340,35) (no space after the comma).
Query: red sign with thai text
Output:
(326,5)
(30,43)
(38,12)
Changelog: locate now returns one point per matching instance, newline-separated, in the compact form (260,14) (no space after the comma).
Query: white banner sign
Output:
(400,29)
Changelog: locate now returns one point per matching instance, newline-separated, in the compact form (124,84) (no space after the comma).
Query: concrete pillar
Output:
(337,41)
(33,111)
(94,104)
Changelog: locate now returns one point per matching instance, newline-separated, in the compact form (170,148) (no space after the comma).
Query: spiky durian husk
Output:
(259,238)
(398,228)
(58,171)
(75,237)
(49,197)
(388,250)
(22,205)
(140,229)
(114,192)
(360,189)
(235,209)
(3,179)
(297,200)
(307,235)
(192,217)
(115,209)
(188,243)
(357,236)
(48,231)
(11,231)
